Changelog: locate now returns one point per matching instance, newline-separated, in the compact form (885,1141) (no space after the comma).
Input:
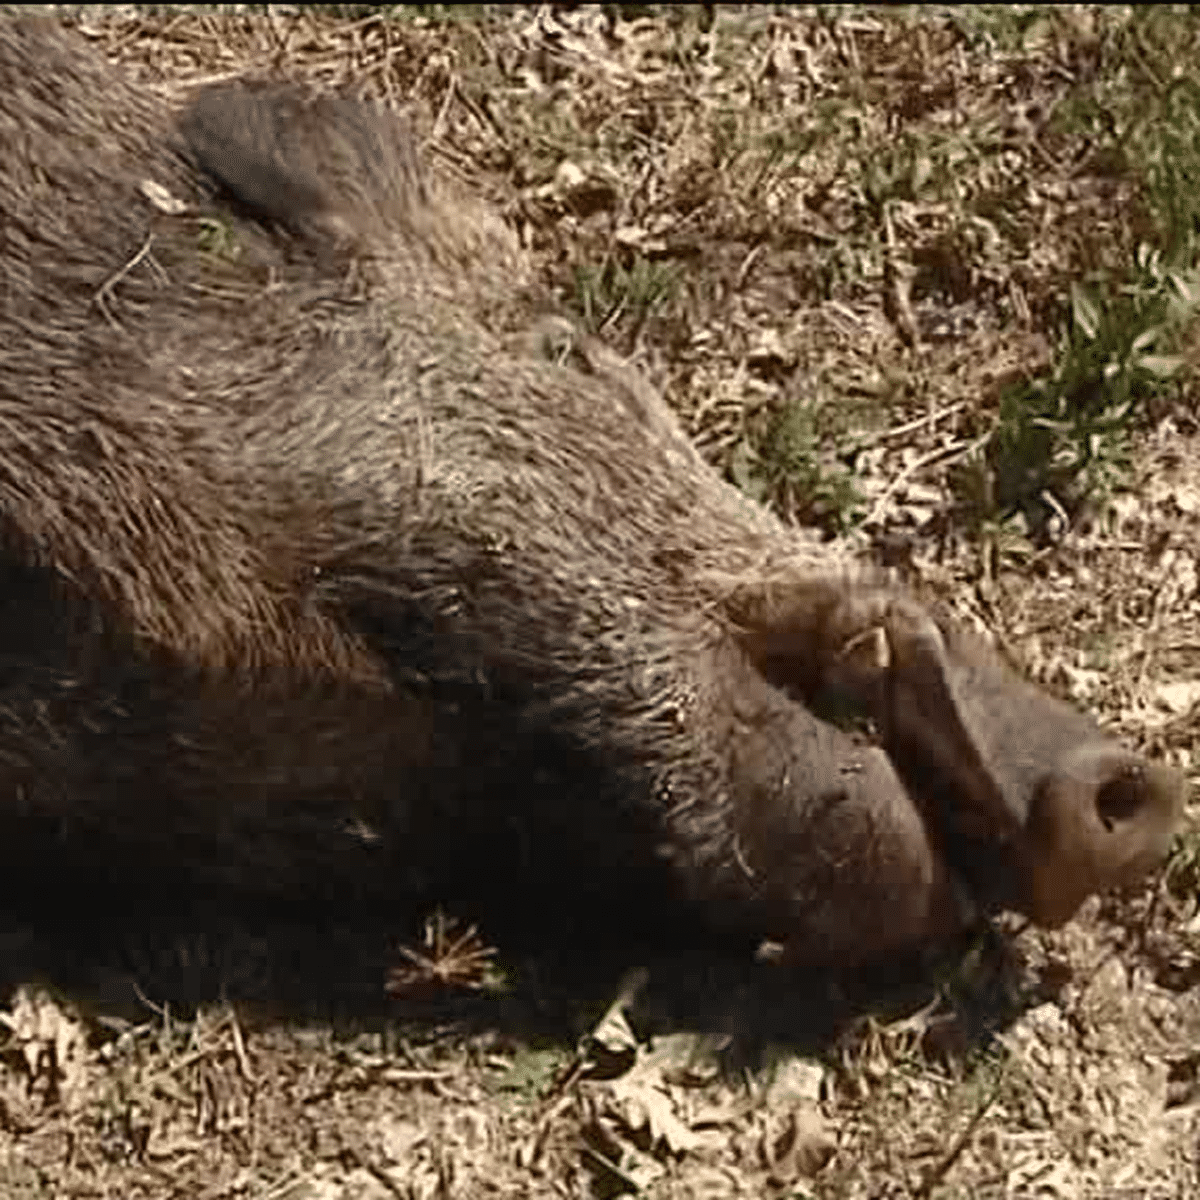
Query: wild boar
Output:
(295,527)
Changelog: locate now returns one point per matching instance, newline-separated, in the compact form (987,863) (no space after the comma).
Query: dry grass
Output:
(833,240)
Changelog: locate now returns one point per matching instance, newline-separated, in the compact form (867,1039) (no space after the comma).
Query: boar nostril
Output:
(1139,804)
(1121,797)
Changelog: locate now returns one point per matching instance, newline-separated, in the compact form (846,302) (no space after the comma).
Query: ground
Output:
(840,242)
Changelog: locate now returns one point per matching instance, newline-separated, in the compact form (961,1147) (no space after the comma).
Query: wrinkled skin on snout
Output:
(1087,815)
(297,520)
(1030,805)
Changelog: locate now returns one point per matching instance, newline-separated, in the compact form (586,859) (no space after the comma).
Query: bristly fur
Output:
(306,525)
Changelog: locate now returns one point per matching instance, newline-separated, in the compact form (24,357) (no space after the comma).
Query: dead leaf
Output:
(685,1059)
(1187,498)
(798,1144)
(52,1043)
(769,348)
(614,1034)
(1178,697)
(612,1046)
(161,198)
(795,1081)
(642,1106)
(397,1137)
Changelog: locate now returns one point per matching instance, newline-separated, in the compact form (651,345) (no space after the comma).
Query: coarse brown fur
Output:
(300,524)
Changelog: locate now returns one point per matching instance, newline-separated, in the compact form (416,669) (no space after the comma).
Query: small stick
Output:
(239,1047)
(930,419)
(441,117)
(105,290)
(609,1165)
(946,454)
(939,1170)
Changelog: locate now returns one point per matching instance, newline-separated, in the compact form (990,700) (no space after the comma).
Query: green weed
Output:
(1182,872)
(216,237)
(1063,439)
(788,470)
(612,292)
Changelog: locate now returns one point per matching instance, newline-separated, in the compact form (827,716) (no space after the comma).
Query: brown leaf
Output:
(798,1144)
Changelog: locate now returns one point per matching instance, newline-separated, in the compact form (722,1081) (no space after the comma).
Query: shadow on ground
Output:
(128,935)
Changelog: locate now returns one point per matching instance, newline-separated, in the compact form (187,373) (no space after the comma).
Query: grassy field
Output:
(924,279)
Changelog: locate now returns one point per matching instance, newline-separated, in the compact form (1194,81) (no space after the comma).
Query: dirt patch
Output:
(831,241)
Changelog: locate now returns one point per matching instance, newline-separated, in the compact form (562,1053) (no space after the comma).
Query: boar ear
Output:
(885,654)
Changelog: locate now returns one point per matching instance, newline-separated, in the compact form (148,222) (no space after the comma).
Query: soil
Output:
(864,222)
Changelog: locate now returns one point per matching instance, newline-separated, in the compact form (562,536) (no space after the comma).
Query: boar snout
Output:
(1030,803)
(1101,819)
(1078,814)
